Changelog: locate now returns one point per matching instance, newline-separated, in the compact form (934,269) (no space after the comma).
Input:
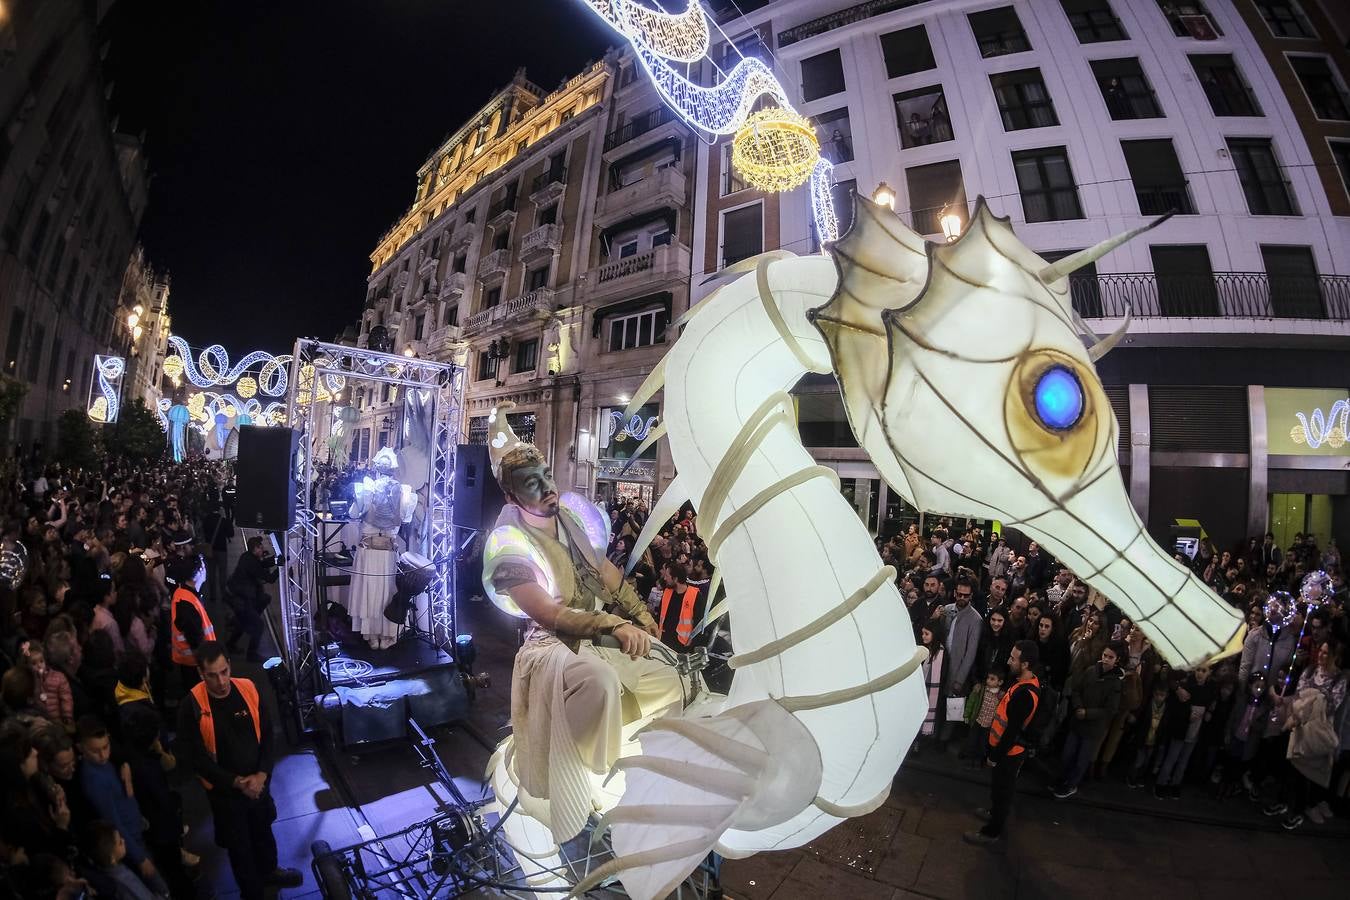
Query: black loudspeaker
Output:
(478,497)
(265,478)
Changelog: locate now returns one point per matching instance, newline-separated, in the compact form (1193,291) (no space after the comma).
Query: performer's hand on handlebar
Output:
(633,640)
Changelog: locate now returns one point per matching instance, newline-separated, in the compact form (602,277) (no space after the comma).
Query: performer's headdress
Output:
(508,451)
(386,460)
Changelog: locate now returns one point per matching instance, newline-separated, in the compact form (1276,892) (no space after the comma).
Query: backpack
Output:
(1041,728)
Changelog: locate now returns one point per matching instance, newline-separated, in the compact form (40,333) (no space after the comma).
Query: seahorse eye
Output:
(1058,398)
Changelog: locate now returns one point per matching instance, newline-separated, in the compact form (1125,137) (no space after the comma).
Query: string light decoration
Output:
(1319,428)
(775,150)
(105,406)
(724,108)
(246,387)
(173,366)
(212,368)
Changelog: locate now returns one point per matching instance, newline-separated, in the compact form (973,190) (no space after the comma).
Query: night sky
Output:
(284,137)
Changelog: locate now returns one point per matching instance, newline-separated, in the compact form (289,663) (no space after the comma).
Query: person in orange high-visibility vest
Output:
(1007,751)
(189,625)
(677,619)
(226,739)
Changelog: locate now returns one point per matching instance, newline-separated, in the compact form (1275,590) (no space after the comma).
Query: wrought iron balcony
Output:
(1229,295)
(548,186)
(639,126)
(503,212)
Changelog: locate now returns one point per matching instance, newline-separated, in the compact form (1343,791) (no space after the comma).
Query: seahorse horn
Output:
(657,432)
(1055,271)
(1103,346)
(665,507)
(655,380)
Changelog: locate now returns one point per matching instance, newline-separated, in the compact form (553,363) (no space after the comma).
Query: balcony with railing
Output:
(542,241)
(548,186)
(639,126)
(443,339)
(633,272)
(454,284)
(538,303)
(503,212)
(1222,295)
(663,187)
(495,264)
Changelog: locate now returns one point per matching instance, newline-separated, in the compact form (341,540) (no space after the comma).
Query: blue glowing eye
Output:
(1059,398)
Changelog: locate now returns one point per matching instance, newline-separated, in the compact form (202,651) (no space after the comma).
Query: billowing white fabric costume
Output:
(382,504)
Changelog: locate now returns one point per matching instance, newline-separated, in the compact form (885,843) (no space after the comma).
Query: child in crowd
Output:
(110,793)
(980,708)
(1146,758)
(52,694)
(113,878)
(1187,709)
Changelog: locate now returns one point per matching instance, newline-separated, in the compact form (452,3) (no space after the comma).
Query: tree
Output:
(12,391)
(136,433)
(75,440)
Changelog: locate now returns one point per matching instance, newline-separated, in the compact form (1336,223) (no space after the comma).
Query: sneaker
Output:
(1174,792)
(1290,823)
(978,838)
(1064,793)
(1324,810)
(1275,809)
(1315,814)
(1160,792)
(1134,782)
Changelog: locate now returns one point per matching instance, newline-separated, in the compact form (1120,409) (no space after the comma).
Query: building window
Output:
(1185,280)
(34,368)
(527,356)
(1159,184)
(419,326)
(1085,291)
(487,366)
(638,330)
(661,239)
(822,75)
(469,216)
(1023,101)
(1340,151)
(54,367)
(998,32)
(14,343)
(1262,179)
(1189,18)
(1284,18)
(1325,92)
(1295,288)
(549,215)
(18,212)
(451,314)
(932,189)
(836,135)
(38,238)
(731,181)
(1225,88)
(742,233)
(907,51)
(1093,21)
(628,249)
(492,296)
(1046,184)
(1125,89)
(922,117)
(538,278)
(501,240)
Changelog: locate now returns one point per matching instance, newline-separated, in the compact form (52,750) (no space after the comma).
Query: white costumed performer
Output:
(382,504)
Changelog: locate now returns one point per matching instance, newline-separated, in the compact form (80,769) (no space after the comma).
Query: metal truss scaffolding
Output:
(316,366)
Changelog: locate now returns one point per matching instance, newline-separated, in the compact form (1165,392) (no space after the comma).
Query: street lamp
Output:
(409,352)
(884,196)
(951,225)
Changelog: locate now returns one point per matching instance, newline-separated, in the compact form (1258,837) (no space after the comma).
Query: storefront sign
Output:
(1308,421)
(612,469)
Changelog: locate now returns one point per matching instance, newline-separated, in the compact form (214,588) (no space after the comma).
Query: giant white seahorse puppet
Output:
(967,382)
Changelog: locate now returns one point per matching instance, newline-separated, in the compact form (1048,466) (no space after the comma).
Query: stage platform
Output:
(357,664)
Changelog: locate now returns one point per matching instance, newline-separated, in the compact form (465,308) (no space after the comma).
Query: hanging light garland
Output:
(775,150)
(246,387)
(775,153)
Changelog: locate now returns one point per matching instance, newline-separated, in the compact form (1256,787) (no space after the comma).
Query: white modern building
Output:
(1080,119)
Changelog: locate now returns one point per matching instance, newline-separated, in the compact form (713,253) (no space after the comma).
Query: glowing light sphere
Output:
(230,411)
(1059,398)
(1298,434)
(173,366)
(775,150)
(246,387)
(197,406)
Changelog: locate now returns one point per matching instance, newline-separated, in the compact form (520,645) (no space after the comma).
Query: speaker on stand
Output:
(264,475)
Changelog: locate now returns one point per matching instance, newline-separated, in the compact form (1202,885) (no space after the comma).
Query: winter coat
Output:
(1098,694)
(1257,655)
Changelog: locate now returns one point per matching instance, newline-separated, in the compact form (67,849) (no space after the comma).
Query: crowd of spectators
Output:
(1270,724)
(86,764)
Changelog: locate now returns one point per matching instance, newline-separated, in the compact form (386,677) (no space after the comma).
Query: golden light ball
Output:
(775,150)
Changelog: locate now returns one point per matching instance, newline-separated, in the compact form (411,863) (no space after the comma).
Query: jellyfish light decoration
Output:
(179,416)
(970,383)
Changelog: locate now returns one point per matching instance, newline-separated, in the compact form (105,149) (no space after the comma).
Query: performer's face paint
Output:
(534,490)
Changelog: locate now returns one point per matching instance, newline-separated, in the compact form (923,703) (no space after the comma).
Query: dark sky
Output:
(284,137)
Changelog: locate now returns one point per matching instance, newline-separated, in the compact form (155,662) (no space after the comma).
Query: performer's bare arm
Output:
(539,605)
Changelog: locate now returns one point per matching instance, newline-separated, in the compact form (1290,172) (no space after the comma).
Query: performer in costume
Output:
(570,699)
(382,504)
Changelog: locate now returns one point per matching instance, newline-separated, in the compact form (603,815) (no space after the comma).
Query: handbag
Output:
(956,709)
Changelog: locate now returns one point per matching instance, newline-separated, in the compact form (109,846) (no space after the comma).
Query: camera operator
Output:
(246,594)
